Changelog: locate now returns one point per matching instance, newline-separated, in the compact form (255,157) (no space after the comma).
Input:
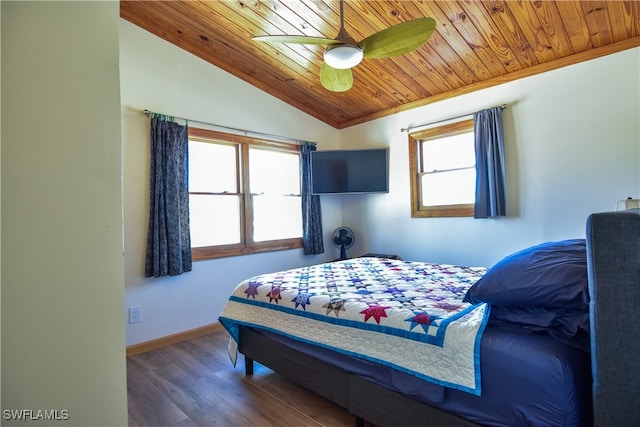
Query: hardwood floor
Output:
(193,383)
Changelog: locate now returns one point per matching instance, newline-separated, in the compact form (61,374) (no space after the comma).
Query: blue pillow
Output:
(550,275)
(567,326)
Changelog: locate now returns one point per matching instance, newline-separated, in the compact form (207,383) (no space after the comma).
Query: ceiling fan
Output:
(344,53)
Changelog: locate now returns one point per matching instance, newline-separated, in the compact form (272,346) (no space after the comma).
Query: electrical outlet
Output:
(135,314)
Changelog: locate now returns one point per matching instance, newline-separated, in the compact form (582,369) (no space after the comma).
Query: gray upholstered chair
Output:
(613,254)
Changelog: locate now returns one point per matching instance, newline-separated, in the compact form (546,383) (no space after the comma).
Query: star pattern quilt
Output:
(407,315)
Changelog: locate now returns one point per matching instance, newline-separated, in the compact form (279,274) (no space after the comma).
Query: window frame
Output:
(246,246)
(418,210)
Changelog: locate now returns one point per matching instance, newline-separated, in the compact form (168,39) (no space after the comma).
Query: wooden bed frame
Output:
(613,253)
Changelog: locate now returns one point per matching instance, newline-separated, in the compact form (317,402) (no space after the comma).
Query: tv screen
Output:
(350,171)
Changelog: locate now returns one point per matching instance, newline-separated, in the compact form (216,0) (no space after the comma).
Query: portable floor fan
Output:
(343,238)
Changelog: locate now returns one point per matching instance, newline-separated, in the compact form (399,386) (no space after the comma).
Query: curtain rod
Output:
(408,128)
(245,132)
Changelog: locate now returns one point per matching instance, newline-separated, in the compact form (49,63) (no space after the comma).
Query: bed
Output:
(402,343)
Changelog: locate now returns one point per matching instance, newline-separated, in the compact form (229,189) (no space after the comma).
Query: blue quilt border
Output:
(233,328)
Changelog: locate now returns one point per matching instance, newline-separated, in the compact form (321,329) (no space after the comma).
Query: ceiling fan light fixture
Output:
(343,56)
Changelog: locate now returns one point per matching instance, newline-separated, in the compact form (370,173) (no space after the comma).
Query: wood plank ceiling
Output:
(477,44)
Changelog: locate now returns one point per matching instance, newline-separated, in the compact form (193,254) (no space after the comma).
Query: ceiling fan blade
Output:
(296,40)
(399,39)
(334,79)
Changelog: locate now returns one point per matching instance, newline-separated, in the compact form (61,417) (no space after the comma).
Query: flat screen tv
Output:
(350,171)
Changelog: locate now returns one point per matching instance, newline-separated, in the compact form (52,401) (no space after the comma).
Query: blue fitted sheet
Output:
(527,380)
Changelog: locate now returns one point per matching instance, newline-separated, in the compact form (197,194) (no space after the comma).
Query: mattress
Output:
(527,379)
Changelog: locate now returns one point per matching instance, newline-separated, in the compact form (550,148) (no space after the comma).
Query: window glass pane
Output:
(449,152)
(274,172)
(212,167)
(214,220)
(276,217)
(449,188)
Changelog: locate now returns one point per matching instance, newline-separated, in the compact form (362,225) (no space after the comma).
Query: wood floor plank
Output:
(264,408)
(146,362)
(190,358)
(320,410)
(201,398)
(148,405)
(193,383)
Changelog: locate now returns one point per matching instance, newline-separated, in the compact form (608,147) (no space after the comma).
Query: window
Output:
(443,174)
(244,195)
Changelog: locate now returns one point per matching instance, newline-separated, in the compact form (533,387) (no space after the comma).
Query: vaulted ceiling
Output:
(477,44)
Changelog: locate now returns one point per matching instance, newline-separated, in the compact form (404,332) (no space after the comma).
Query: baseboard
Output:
(172,339)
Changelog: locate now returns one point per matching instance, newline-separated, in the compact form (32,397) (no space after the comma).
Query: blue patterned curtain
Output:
(168,239)
(311,210)
(490,168)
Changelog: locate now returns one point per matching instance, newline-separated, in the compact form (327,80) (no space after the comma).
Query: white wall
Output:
(158,76)
(572,147)
(62,263)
